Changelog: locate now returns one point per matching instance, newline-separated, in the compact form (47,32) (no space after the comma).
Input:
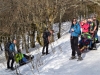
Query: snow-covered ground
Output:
(57,62)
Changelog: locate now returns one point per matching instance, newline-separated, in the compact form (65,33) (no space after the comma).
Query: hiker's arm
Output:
(95,26)
(77,30)
(49,39)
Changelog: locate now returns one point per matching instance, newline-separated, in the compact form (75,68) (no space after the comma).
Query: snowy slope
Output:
(58,63)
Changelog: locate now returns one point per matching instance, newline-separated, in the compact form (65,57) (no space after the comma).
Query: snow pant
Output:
(94,40)
(10,64)
(10,60)
(74,46)
(46,44)
(97,38)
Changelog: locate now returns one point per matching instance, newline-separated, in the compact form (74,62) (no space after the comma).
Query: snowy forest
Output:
(25,20)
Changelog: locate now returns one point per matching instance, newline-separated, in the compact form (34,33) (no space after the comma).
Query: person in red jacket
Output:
(85,26)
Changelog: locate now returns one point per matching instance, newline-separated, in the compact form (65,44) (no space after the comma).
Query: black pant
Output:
(8,62)
(46,44)
(74,46)
(94,41)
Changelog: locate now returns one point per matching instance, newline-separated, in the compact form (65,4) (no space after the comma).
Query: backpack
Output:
(7,46)
(97,24)
(45,35)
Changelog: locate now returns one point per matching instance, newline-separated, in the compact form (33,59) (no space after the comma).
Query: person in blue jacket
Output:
(75,32)
(11,54)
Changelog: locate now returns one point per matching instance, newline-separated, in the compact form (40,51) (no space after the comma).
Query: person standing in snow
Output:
(46,40)
(11,53)
(97,25)
(75,32)
(85,26)
(93,32)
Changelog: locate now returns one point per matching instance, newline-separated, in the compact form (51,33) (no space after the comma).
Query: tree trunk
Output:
(18,41)
(32,40)
(59,33)
(32,35)
(39,38)
(26,46)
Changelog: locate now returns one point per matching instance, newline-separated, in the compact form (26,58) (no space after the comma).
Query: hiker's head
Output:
(14,41)
(85,21)
(51,31)
(94,18)
(74,21)
(91,20)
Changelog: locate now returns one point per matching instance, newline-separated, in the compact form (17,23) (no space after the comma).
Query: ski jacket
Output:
(85,27)
(76,31)
(12,47)
(18,57)
(11,51)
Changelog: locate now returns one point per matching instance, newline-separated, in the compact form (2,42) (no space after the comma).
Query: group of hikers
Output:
(87,31)
(17,56)
(13,55)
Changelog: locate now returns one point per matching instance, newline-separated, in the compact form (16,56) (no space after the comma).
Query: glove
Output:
(72,29)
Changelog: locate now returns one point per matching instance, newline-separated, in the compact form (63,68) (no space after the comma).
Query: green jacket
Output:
(86,35)
(18,57)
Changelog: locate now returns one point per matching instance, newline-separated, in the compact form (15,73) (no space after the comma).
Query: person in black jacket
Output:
(46,40)
(93,32)
(96,30)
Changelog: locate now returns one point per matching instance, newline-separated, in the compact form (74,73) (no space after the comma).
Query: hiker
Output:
(96,31)
(85,36)
(93,32)
(22,58)
(11,53)
(85,26)
(85,42)
(46,40)
(75,31)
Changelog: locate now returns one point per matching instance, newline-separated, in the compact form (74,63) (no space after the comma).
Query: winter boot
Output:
(73,57)
(43,53)
(79,58)
(97,41)
(12,68)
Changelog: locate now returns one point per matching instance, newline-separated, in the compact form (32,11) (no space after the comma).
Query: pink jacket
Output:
(85,27)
